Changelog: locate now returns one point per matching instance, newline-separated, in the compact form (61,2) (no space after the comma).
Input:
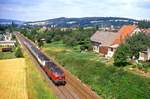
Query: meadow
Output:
(106,80)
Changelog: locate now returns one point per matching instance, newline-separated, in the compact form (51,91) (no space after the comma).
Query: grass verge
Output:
(37,87)
(108,81)
(15,53)
(7,55)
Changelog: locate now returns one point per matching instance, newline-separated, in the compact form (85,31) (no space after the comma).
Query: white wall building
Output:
(124,32)
(7,40)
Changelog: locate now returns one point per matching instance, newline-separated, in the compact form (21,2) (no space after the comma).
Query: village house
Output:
(145,55)
(6,40)
(101,40)
(107,42)
(123,33)
(7,43)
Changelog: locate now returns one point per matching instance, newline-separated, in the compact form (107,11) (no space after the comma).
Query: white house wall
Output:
(141,57)
(137,30)
(148,53)
(96,48)
(109,53)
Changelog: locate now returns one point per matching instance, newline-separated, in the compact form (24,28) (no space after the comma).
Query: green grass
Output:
(108,81)
(37,87)
(7,55)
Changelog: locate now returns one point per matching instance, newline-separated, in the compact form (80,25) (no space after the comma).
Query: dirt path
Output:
(140,72)
(13,79)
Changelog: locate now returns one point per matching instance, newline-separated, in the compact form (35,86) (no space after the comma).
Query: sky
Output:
(34,10)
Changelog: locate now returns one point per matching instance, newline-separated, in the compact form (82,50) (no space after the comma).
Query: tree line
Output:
(69,37)
(144,24)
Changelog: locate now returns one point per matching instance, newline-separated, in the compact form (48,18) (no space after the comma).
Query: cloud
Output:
(45,9)
(20,2)
(145,4)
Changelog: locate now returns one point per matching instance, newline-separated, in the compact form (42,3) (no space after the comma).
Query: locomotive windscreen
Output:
(54,68)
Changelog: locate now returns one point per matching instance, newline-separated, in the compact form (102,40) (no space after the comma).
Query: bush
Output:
(18,52)
(140,66)
(121,55)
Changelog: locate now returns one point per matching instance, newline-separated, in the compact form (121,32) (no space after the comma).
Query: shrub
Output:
(18,52)
(121,55)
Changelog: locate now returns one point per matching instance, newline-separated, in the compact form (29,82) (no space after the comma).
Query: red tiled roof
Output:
(125,31)
(146,31)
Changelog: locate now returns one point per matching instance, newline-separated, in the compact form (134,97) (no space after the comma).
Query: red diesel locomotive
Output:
(55,73)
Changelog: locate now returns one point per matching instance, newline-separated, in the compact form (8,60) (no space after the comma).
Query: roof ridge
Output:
(124,31)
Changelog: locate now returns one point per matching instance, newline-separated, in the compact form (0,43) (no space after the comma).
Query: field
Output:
(108,81)
(13,79)
(20,79)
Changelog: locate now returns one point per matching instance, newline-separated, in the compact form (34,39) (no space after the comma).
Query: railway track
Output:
(74,89)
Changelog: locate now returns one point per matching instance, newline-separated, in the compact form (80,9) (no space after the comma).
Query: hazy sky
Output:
(45,9)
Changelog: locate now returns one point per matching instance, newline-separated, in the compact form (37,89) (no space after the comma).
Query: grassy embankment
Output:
(7,55)
(108,81)
(37,87)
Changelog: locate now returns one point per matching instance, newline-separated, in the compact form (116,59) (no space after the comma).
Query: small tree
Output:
(144,24)
(137,43)
(121,55)
(18,52)
(40,43)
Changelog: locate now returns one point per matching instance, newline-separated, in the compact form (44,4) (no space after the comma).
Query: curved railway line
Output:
(74,88)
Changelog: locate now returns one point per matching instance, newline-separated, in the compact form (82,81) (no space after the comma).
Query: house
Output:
(1,37)
(145,55)
(123,33)
(146,31)
(6,40)
(101,40)
(107,42)
(7,36)
(7,43)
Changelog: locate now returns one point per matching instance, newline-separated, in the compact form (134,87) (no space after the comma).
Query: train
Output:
(55,73)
